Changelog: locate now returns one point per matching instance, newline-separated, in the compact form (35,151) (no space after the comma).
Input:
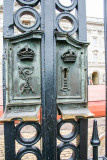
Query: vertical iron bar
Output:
(81,14)
(8,126)
(95,153)
(95,142)
(105,36)
(83,139)
(9,141)
(82,36)
(48,81)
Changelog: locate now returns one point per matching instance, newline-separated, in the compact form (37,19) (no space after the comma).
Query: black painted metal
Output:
(83,138)
(65,13)
(62,8)
(81,15)
(95,142)
(48,63)
(82,35)
(9,133)
(9,128)
(67,139)
(48,81)
(27,10)
(105,35)
(63,146)
(72,135)
(31,141)
(71,19)
(28,3)
(32,149)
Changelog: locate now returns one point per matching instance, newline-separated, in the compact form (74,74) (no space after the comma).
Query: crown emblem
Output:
(69,56)
(26,53)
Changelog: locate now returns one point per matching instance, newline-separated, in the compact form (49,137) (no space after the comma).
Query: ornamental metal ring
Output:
(32,3)
(63,146)
(23,11)
(72,135)
(25,141)
(61,8)
(70,18)
(24,150)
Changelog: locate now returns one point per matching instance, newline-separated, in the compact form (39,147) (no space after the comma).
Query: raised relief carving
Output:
(64,79)
(26,54)
(69,56)
(25,74)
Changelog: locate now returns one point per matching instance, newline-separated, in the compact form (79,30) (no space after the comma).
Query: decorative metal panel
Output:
(23,86)
(71,77)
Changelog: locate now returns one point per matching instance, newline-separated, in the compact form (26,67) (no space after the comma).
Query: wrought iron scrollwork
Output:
(28,143)
(72,135)
(63,146)
(32,3)
(66,139)
(65,14)
(24,150)
(31,141)
(27,10)
(71,18)
(61,8)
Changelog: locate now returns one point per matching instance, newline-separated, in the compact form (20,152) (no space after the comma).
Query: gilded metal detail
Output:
(25,74)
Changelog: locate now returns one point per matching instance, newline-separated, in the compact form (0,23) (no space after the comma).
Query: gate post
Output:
(49,25)
(82,35)
(48,81)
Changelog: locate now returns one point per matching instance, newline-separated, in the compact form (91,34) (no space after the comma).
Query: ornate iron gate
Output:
(33,56)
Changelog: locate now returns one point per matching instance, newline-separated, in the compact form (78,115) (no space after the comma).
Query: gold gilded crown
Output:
(26,53)
(69,56)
